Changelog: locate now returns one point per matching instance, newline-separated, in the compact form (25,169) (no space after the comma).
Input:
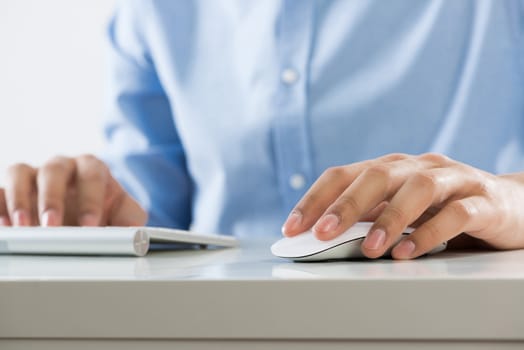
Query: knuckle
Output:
(435,158)
(335,172)
(460,210)
(484,189)
(60,159)
(16,169)
(89,159)
(425,180)
(90,168)
(394,157)
(93,174)
(485,185)
(53,166)
(379,172)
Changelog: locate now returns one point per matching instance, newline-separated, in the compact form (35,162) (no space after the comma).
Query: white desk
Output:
(229,298)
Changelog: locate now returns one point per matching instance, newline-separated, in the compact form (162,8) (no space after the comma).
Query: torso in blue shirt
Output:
(223,113)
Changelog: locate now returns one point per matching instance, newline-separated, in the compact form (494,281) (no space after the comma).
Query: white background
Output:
(52,63)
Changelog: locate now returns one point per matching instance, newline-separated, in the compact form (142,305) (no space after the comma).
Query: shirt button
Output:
(297,181)
(289,76)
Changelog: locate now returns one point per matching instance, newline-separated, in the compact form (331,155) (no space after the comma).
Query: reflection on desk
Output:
(253,260)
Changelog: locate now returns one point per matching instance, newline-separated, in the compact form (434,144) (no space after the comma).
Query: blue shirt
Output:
(222,113)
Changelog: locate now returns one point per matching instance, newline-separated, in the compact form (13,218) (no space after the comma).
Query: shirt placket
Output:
(292,141)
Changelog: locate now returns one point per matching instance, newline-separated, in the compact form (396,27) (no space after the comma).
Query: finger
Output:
(373,186)
(325,191)
(414,197)
(4,216)
(20,184)
(53,179)
(92,178)
(467,214)
(321,194)
(125,211)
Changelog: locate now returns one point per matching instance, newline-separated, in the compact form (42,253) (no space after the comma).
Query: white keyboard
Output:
(110,240)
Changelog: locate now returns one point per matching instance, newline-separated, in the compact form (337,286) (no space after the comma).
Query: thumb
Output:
(125,210)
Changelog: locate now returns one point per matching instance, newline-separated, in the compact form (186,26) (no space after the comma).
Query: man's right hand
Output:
(67,191)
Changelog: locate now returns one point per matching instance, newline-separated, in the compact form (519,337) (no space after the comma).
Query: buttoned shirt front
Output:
(223,113)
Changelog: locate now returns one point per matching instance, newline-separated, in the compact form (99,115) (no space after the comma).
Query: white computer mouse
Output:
(306,247)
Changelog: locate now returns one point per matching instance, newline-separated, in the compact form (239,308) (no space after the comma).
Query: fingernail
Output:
(4,221)
(404,249)
(327,223)
(20,218)
(292,222)
(50,218)
(375,239)
(88,220)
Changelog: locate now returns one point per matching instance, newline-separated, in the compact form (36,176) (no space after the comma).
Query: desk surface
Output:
(246,293)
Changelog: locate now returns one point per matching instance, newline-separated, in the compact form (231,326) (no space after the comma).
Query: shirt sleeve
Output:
(144,150)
